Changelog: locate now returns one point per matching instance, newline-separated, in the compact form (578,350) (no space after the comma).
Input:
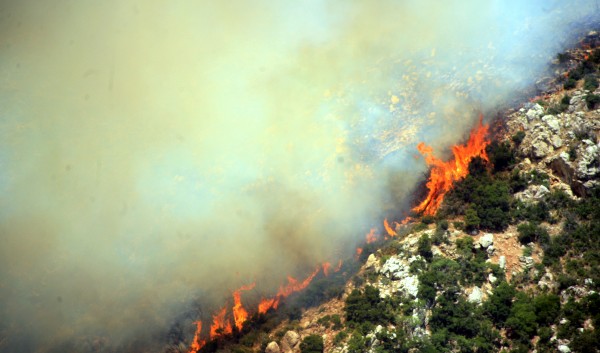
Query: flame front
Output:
(220,325)
(371,236)
(284,291)
(326,267)
(197,343)
(389,229)
(240,315)
(444,174)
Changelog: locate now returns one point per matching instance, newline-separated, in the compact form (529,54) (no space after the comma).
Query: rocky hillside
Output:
(511,261)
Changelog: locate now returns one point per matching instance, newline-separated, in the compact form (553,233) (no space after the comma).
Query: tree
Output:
(312,344)
(472,221)
(499,304)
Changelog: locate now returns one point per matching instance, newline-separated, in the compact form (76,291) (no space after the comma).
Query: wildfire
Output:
(339,266)
(358,253)
(197,343)
(284,291)
(371,236)
(444,174)
(388,228)
(240,315)
(326,267)
(220,325)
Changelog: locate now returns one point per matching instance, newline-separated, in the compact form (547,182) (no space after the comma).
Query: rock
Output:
(502,262)
(372,262)
(410,285)
(540,149)
(526,261)
(563,168)
(563,348)
(490,250)
(588,282)
(486,240)
(587,167)
(476,296)
(290,341)
(491,278)
(272,347)
(535,112)
(395,268)
(552,122)
(547,281)
(557,142)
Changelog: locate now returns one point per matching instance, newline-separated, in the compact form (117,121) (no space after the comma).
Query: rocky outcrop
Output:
(397,269)
(290,343)
(272,347)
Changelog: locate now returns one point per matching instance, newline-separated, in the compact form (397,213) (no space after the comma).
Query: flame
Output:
(220,325)
(326,267)
(266,304)
(444,174)
(240,315)
(371,236)
(388,228)
(197,343)
(339,266)
(358,252)
(284,291)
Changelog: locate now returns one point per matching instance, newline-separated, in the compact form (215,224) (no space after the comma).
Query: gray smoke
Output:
(153,153)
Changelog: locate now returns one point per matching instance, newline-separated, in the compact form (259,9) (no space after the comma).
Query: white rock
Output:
(486,240)
(476,296)
(552,122)
(502,262)
(492,278)
(272,347)
(563,348)
(372,262)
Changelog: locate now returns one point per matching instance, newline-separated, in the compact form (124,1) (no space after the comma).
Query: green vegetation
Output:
(312,344)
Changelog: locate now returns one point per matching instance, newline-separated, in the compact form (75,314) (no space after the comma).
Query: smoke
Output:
(153,153)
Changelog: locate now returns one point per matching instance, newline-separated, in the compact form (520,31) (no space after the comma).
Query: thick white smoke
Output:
(155,151)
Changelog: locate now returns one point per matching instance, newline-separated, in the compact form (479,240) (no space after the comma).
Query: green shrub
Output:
(547,308)
(424,247)
(592,100)
(518,137)
(501,155)
(472,221)
(570,83)
(532,232)
(522,321)
(312,344)
(499,304)
(590,83)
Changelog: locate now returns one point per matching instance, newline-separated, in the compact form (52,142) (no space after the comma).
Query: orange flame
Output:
(266,304)
(240,315)
(197,343)
(444,174)
(326,267)
(388,228)
(371,236)
(339,266)
(220,326)
(358,252)
(284,291)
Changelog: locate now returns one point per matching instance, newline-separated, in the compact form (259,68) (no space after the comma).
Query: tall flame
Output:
(220,325)
(240,315)
(371,237)
(388,228)
(326,267)
(197,343)
(444,174)
(284,291)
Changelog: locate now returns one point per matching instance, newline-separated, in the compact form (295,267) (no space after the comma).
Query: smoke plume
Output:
(154,153)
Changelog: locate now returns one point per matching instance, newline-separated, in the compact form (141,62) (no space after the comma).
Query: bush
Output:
(570,83)
(592,100)
(590,83)
(518,137)
(547,308)
(472,221)
(501,155)
(522,321)
(312,344)
(365,306)
(424,247)
(531,232)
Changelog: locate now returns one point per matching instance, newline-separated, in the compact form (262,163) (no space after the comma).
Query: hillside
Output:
(510,261)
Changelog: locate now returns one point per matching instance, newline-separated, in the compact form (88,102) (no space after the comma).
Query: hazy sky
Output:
(158,152)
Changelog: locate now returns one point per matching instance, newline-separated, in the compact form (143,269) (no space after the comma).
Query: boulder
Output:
(290,342)
(502,262)
(540,149)
(563,348)
(476,296)
(491,278)
(552,122)
(486,240)
(272,347)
